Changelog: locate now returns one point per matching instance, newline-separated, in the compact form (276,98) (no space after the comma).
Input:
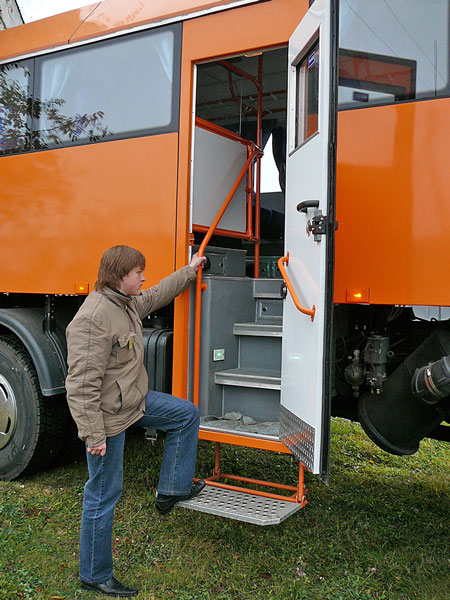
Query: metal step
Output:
(254,378)
(268,310)
(267,288)
(241,506)
(258,329)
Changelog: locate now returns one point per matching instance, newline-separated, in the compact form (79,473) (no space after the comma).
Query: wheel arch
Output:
(47,354)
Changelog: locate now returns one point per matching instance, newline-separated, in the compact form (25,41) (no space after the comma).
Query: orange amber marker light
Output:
(357,296)
(81,288)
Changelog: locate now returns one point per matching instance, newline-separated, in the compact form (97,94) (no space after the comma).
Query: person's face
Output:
(132,282)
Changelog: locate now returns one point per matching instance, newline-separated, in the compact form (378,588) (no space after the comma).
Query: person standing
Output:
(107,392)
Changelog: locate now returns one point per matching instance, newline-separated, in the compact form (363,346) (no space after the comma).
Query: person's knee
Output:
(193,412)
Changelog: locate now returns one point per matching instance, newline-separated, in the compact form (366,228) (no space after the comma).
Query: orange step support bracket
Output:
(299,495)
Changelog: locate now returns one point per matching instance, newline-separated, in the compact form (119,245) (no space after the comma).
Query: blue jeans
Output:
(180,419)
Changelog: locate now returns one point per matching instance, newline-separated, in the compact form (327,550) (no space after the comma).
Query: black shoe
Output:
(112,587)
(164,504)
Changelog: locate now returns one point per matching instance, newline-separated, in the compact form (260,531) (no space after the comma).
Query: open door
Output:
(309,237)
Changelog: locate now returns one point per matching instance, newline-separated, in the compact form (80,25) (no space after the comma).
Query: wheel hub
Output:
(8,412)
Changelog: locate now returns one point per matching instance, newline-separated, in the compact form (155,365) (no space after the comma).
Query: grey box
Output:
(228,262)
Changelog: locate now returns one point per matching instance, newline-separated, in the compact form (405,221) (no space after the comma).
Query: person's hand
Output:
(197,261)
(98,450)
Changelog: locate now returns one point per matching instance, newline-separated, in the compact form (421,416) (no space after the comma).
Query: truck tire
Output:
(31,425)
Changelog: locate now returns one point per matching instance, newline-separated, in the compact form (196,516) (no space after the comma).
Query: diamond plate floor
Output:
(241,506)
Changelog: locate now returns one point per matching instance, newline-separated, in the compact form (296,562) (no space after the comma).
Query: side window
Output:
(123,87)
(307,96)
(392,51)
(117,88)
(15,107)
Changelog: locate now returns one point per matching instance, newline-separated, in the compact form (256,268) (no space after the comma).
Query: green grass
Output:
(380,530)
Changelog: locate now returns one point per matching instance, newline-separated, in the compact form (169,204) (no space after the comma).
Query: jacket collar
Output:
(117,297)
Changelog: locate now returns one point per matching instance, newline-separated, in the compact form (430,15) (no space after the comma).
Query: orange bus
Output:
(161,126)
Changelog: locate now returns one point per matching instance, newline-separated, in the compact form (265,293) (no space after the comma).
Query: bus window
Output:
(392,51)
(122,87)
(307,96)
(14,107)
(230,100)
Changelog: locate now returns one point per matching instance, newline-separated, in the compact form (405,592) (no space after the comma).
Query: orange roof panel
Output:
(115,15)
(44,33)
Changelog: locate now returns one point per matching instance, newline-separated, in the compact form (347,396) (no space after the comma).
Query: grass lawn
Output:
(380,530)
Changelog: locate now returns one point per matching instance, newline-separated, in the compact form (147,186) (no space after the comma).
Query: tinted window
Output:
(14,107)
(116,88)
(307,96)
(392,51)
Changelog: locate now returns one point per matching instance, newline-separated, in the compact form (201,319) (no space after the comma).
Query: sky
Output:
(39,9)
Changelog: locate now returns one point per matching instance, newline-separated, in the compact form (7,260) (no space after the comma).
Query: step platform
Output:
(241,506)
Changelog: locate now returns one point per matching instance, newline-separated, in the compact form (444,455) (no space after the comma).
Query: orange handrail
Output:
(306,311)
(258,170)
(199,285)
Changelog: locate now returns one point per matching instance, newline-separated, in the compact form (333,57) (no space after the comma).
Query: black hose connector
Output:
(431,383)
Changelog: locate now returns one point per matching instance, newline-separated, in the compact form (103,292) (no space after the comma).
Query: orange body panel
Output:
(393,203)
(62,208)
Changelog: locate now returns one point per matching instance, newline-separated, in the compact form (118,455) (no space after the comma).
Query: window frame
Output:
(301,96)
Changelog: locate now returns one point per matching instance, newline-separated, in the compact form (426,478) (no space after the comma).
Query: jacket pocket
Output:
(129,397)
(124,348)
(114,402)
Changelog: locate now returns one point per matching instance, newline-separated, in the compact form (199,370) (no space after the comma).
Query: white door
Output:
(310,183)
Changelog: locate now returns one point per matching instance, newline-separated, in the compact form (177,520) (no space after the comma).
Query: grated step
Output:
(241,506)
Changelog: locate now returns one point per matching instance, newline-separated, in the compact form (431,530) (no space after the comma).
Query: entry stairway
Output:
(244,398)
(253,386)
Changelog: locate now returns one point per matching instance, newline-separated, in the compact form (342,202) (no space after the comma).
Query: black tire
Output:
(31,425)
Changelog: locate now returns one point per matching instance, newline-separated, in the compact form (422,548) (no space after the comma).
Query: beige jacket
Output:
(107,382)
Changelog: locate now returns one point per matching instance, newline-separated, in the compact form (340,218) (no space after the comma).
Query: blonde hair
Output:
(115,264)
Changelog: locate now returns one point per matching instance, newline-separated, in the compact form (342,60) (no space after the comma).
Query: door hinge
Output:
(318,225)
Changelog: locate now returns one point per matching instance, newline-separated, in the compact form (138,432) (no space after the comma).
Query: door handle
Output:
(303,206)
(306,311)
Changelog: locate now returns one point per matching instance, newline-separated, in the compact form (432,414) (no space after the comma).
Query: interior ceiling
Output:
(228,99)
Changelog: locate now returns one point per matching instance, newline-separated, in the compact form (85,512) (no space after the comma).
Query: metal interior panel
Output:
(217,164)
(225,301)
(298,436)
(262,404)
